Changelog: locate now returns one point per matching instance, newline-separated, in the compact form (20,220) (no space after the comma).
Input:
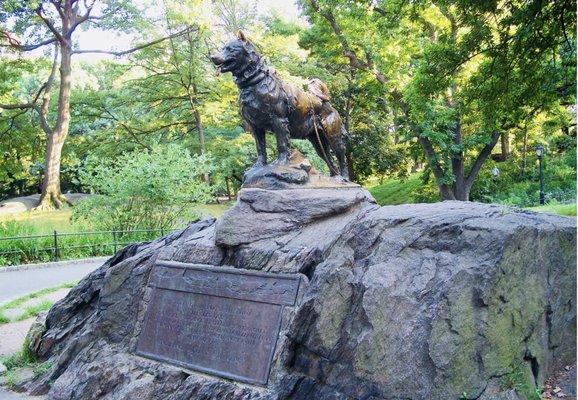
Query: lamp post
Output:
(540,155)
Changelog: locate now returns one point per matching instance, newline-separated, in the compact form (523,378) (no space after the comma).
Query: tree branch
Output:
(139,47)
(354,59)
(45,88)
(81,19)
(12,121)
(49,24)
(431,157)
(21,106)
(48,89)
(484,154)
(15,43)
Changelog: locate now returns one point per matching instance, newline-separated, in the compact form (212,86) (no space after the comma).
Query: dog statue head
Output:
(236,55)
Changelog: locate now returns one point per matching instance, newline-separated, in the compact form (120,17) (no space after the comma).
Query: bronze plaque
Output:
(222,321)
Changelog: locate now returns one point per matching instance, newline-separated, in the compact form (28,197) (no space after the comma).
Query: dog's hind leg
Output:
(339,148)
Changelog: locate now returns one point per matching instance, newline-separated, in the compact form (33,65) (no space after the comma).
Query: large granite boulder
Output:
(427,301)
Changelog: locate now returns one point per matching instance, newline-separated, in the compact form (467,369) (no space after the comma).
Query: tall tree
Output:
(55,23)
(462,75)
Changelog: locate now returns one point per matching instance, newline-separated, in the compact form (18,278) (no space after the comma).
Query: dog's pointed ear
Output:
(241,35)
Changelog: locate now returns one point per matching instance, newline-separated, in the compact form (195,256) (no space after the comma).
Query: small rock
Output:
(567,368)
(557,389)
(2,368)
(22,376)
(36,331)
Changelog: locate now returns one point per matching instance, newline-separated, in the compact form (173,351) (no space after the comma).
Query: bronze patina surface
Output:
(270,104)
(222,321)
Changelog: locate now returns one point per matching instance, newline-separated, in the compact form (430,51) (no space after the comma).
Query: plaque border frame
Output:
(223,269)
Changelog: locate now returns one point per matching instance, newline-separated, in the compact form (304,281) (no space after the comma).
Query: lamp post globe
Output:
(539,151)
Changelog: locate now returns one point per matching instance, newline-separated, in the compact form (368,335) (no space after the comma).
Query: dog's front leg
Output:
(259,135)
(282,134)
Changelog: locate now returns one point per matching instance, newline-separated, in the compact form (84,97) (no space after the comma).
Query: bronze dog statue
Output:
(269,104)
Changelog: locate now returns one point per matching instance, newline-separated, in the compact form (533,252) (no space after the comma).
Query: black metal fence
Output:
(68,245)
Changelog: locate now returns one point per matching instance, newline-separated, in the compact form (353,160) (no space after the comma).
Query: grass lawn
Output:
(568,210)
(35,249)
(396,191)
(214,210)
(43,222)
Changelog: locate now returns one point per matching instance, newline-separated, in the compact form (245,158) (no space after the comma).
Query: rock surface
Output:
(296,174)
(427,301)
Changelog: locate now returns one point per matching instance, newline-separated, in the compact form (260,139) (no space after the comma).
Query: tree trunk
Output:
(446,192)
(477,166)
(459,188)
(462,191)
(505,146)
(228,188)
(51,196)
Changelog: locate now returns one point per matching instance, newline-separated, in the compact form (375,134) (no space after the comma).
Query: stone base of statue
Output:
(307,289)
(278,200)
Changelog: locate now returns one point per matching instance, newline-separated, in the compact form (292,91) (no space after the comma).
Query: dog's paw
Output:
(283,159)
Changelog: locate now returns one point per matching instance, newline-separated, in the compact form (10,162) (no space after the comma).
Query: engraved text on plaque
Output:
(221,321)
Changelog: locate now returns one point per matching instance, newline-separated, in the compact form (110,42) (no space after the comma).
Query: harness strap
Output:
(327,159)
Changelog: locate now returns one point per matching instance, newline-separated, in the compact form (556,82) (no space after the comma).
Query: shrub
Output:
(154,189)
(517,187)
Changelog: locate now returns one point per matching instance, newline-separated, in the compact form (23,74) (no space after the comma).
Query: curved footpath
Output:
(20,280)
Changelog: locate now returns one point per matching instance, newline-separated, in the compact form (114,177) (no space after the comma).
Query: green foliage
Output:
(521,187)
(520,381)
(154,189)
(568,210)
(42,368)
(397,191)
(422,70)
(453,74)
(10,379)
(22,358)
(80,243)
(33,311)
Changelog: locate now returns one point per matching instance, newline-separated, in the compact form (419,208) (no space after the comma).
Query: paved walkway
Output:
(18,282)
(6,395)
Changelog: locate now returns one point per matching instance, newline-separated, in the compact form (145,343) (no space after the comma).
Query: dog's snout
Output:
(217,58)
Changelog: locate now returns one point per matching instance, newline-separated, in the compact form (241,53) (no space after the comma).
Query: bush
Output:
(154,189)
(520,188)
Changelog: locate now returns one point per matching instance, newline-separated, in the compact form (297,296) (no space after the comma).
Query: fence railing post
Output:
(56,251)
(119,240)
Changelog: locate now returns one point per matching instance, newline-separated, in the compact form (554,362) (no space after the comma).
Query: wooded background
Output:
(436,91)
